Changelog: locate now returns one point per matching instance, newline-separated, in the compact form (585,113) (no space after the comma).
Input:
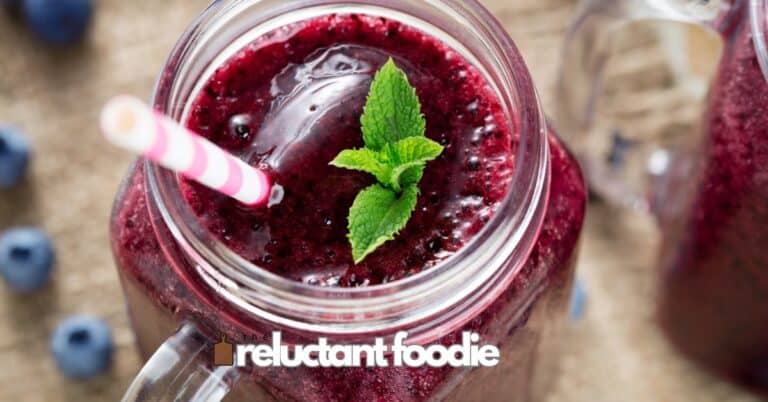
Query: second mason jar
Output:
(709,192)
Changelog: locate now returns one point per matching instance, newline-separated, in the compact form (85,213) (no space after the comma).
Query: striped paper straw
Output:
(131,124)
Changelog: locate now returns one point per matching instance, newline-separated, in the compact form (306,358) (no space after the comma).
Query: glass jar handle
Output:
(585,57)
(181,370)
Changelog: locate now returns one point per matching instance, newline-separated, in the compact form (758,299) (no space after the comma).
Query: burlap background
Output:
(615,354)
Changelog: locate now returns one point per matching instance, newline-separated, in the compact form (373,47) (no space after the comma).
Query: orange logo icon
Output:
(223,353)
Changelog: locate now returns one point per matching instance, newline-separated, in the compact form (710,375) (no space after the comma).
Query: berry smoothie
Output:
(289,102)
(715,285)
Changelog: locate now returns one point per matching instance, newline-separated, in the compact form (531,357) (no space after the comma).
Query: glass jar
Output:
(511,284)
(710,194)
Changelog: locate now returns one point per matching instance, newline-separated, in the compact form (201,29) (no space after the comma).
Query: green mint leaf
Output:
(412,176)
(396,152)
(377,216)
(364,160)
(392,111)
(413,154)
(396,167)
(417,149)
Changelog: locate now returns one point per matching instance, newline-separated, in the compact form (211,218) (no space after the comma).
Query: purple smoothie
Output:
(715,283)
(316,77)
(290,102)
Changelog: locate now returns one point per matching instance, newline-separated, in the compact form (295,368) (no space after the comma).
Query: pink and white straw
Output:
(131,124)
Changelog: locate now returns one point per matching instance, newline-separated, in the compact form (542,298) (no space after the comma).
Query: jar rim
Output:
(759,19)
(455,289)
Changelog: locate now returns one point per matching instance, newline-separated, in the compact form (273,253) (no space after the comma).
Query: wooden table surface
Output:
(615,354)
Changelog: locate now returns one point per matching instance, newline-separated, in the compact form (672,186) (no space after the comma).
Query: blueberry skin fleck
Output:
(82,347)
(26,258)
(58,22)
(14,156)
(578,300)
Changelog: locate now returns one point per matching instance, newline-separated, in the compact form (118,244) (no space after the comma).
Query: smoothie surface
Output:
(292,100)
(289,102)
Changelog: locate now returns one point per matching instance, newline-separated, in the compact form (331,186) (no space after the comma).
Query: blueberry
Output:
(14,157)
(59,22)
(578,300)
(26,258)
(82,346)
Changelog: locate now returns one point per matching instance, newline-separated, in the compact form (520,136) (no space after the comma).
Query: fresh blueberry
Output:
(26,258)
(578,300)
(82,346)
(59,22)
(14,156)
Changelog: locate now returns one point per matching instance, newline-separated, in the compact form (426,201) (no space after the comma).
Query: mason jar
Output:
(707,188)
(187,290)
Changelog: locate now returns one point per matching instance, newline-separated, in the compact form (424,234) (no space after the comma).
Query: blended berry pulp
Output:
(289,102)
(714,300)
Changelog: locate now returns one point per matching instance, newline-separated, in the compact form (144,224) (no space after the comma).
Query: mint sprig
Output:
(396,153)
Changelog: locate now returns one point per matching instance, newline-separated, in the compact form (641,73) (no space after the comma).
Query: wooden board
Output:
(615,354)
